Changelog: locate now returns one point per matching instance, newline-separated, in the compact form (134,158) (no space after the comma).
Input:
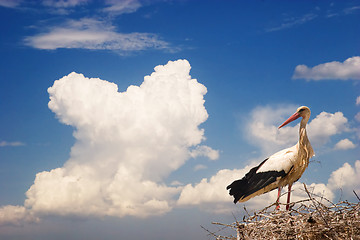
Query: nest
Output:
(313,218)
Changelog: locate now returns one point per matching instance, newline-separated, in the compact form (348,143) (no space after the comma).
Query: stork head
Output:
(303,112)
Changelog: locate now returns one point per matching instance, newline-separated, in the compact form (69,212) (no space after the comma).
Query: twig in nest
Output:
(356,195)
(315,205)
(308,219)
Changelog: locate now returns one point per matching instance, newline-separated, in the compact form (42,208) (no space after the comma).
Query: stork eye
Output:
(301,110)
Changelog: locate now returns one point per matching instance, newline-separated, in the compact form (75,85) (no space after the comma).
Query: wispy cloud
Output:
(63,7)
(291,22)
(351,10)
(88,33)
(349,69)
(52,6)
(95,33)
(10,3)
(114,7)
(332,12)
(121,7)
(63,3)
(11,144)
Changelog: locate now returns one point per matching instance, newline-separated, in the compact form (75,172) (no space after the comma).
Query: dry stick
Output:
(237,228)
(323,198)
(312,199)
(307,192)
(224,226)
(246,211)
(215,235)
(356,195)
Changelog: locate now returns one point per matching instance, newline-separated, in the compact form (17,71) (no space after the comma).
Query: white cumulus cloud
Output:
(89,33)
(262,128)
(199,167)
(15,215)
(326,125)
(344,144)
(346,178)
(349,69)
(205,151)
(127,143)
(212,192)
(357,117)
(262,131)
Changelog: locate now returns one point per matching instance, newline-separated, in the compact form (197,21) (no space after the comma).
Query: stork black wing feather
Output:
(253,182)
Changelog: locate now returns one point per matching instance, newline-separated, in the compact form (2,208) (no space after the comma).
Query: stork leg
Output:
(278,198)
(288,197)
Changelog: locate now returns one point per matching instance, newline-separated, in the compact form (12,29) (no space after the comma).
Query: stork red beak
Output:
(290,119)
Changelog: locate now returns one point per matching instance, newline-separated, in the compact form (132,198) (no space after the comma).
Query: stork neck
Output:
(303,123)
(302,130)
(304,142)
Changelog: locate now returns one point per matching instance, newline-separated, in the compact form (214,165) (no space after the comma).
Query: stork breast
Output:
(280,161)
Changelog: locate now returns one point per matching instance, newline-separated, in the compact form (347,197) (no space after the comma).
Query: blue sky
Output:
(90,156)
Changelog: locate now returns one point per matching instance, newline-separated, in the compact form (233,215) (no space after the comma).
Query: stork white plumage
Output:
(282,168)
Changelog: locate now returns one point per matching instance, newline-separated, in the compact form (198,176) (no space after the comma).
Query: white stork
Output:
(282,168)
